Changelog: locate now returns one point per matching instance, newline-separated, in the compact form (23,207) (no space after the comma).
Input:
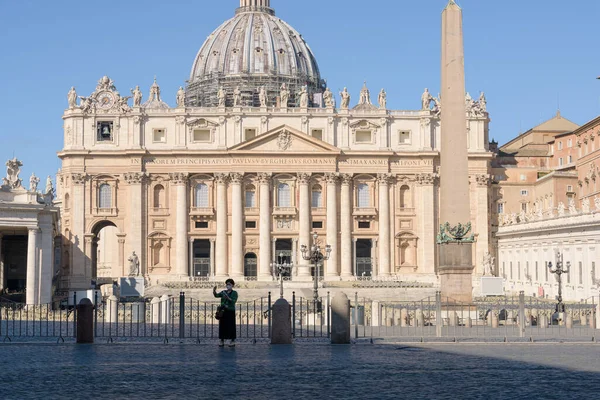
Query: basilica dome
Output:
(252,50)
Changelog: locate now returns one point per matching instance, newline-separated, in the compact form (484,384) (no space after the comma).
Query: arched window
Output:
(405,197)
(250,196)
(156,253)
(159,196)
(283,195)
(104,196)
(363,196)
(202,195)
(67,201)
(317,196)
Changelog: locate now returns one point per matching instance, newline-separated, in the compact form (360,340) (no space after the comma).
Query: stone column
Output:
(346,226)
(121,255)
(332,228)
(2,275)
(221,245)
(181,223)
(212,258)
(374,265)
(237,226)
(32,271)
(354,261)
(135,230)
(191,257)
(304,222)
(384,224)
(483,182)
(78,207)
(46,261)
(264,253)
(425,207)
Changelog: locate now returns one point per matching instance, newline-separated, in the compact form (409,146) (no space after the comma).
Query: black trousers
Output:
(227,330)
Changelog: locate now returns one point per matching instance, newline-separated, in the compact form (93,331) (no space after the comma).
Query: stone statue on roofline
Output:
(262,96)
(345,99)
(33,183)
(284,95)
(303,94)
(328,98)
(237,96)
(426,100)
(221,95)
(382,100)
(13,169)
(181,97)
(72,98)
(137,96)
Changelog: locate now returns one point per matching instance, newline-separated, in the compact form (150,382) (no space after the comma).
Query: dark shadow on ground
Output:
(150,371)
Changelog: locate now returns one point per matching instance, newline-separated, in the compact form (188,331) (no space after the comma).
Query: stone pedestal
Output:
(281,330)
(456,271)
(132,286)
(340,319)
(492,286)
(85,321)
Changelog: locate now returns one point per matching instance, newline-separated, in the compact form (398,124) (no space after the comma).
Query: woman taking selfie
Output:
(227,330)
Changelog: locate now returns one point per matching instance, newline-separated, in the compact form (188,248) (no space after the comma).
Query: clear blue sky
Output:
(527,55)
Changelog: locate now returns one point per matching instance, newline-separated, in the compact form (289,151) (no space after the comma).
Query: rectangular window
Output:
(560,145)
(593,270)
(570,143)
(560,161)
(546,269)
(363,137)
(159,136)
(537,272)
(500,208)
(317,200)
(580,273)
(105,131)
(201,135)
(201,224)
(503,269)
(317,225)
(317,134)
(523,177)
(250,199)
(524,207)
(404,137)
(363,196)
(570,159)
(284,195)
(249,133)
(524,192)
(250,224)
(570,188)
(364,225)
(519,270)
(511,271)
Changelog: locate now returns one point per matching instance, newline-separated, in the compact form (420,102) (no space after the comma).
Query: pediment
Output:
(201,123)
(364,124)
(285,139)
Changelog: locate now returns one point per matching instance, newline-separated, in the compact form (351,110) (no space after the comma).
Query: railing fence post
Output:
(181,315)
(438,314)
(521,314)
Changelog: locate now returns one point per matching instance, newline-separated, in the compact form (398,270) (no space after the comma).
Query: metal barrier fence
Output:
(311,317)
(497,319)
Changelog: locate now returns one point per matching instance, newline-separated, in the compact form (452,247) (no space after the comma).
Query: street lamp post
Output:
(282,268)
(558,270)
(316,258)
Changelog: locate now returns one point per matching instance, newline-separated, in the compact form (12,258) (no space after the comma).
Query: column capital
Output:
(236,178)
(135,178)
(179,178)
(79,178)
(264,177)
(332,177)
(33,229)
(483,179)
(384,179)
(304,178)
(346,179)
(427,179)
(221,179)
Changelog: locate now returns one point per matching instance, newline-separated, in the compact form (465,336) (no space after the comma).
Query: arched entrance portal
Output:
(104,255)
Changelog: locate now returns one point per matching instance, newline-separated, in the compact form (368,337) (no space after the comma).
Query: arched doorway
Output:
(104,255)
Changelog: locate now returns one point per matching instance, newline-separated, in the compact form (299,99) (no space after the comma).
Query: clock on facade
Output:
(105,100)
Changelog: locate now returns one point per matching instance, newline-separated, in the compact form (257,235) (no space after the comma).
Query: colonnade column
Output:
(121,254)
(46,261)
(191,257)
(2,275)
(332,228)
(181,223)
(237,226)
(221,245)
(78,207)
(346,226)
(303,223)
(264,252)
(384,224)
(32,278)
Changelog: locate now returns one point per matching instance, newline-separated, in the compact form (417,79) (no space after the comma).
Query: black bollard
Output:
(85,321)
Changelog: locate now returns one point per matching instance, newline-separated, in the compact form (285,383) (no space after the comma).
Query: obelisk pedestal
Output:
(456,271)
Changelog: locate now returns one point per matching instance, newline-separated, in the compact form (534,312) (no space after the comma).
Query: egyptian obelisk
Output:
(455,249)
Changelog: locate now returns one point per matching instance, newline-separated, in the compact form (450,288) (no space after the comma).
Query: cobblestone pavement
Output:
(305,371)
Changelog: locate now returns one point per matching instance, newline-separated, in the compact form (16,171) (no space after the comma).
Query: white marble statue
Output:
(237,96)
(134,265)
(345,99)
(262,96)
(303,94)
(469,102)
(13,169)
(585,205)
(328,98)
(181,97)
(482,103)
(87,104)
(572,208)
(221,95)
(522,217)
(382,100)
(426,100)
(33,183)
(284,95)
(72,98)
(49,186)
(123,104)
(437,108)
(488,264)
(137,96)
(365,95)
(561,209)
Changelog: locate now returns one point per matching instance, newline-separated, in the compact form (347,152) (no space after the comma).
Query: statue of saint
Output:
(123,104)
(572,208)
(181,97)
(382,100)
(437,107)
(87,104)
(469,103)
(328,98)
(345,99)
(482,103)
(137,96)
(561,209)
(134,265)
(237,96)
(585,205)
(72,98)
(303,94)
(426,100)
(488,264)
(33,183)
(284,94)
(262,96)
(49,186)
(221,95)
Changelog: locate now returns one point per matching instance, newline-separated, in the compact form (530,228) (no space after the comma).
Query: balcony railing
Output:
(285,211)
(203,211)
(364,211)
